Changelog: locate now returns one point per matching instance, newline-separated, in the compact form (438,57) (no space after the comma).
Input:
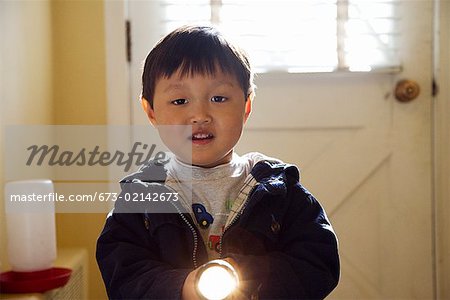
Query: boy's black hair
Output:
(194,50)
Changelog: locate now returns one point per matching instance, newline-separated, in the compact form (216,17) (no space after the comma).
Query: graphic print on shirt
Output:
(214,241)
(203,218)
(217,230)
(211,225)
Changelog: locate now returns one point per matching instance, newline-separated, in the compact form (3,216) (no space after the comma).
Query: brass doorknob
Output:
(407,90)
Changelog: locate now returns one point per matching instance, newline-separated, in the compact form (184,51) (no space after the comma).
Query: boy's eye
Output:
(179,101)
(218,99)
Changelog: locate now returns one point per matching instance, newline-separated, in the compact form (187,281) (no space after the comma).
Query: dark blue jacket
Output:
(282,242)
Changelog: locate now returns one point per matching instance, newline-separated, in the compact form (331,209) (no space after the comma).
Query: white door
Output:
(363,154)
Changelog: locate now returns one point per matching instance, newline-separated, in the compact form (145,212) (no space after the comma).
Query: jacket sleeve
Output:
(305,262)
(129,262)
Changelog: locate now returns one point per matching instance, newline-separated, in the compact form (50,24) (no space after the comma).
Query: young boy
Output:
(250,211)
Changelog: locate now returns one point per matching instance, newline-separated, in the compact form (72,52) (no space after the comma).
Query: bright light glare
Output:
(216,282)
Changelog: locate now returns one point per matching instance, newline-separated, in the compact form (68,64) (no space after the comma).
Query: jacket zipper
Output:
(234,221)
(194,234)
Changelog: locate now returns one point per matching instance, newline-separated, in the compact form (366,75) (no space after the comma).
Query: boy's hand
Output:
(189,291)
(231,262)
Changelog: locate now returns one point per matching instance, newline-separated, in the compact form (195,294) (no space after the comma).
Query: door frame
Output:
(117,67)
(441,143)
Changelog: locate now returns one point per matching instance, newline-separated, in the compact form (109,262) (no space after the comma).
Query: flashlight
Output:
(216,280)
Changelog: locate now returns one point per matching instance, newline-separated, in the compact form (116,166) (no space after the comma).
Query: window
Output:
(300,35)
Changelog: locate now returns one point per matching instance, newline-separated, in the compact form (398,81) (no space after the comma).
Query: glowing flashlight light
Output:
(216,280)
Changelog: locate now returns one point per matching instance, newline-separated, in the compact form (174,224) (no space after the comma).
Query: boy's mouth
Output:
(201,137)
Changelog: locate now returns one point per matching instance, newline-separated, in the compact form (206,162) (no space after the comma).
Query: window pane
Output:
(299,35)
(284,35)
(371,34)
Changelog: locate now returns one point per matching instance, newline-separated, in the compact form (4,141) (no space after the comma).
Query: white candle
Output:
(30,225)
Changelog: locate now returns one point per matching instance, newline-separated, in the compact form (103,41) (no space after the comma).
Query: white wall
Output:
(25,76)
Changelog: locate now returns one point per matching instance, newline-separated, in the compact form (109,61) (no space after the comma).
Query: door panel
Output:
(372,178)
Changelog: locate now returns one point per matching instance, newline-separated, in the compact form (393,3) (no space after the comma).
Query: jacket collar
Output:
(268,168)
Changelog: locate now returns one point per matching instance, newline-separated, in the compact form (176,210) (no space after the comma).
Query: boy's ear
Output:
(148,110)
(248,107)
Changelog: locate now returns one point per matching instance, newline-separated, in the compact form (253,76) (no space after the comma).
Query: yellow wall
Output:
(25,76)
(52,71)
(80,98)
(79,62)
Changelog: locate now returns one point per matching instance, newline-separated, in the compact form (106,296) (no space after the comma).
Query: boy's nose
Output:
(200,115)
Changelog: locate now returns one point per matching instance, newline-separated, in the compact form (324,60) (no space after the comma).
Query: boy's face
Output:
(215,107)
